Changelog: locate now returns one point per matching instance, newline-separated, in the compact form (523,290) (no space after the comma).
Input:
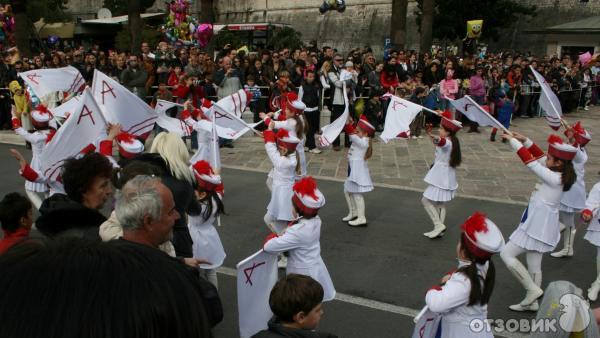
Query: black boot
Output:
(493,137)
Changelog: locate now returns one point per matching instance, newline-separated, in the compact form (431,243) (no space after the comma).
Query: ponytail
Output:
(477,296)
(369,152)
(455,154)
(298,169)
(301,126)
(569,176)
(212,196)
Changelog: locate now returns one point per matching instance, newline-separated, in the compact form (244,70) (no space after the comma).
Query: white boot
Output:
(282,263)
(351,207)
(567,250)
(361,220)
(438,225)
(561,227)
(531,285)
(595,287)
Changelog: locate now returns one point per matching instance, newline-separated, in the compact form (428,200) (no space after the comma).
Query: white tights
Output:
(534,259)
(567,218)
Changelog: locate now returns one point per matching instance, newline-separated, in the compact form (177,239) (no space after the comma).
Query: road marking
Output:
(372,304)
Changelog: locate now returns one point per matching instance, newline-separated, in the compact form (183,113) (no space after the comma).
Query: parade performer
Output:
(301,239)
(207,243)
(538,232)
(591,215)
(441,178)
(358,181)
(464,294)
(40,119)
(573,201)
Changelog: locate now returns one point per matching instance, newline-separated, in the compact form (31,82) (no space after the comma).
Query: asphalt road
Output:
(390,261)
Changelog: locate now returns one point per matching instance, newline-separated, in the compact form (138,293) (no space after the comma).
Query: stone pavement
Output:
(490,170)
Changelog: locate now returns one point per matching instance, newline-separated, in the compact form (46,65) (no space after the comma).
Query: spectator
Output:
(16,217)
(134,77)
(338,104)
(477,92)
(448,89)
(193,68)
(310,97)
(374,77)
(373,110)
(175,75)
(163,93)
(254,102)
(417,125)
(228,79)
(146,53)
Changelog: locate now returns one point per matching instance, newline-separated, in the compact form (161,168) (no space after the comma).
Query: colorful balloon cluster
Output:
(339,5)
(7,26)
(182,28)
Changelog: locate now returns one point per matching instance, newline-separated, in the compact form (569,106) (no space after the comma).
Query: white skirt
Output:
(33,186)
(593,237)
(521,239)
(436,194)
(280,206)
(354,188)
(566,208)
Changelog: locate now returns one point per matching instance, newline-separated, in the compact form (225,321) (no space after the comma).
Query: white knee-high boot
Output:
(595,287)
(361,219)
(351,207)
(531,283)
(434,214)
(568,239)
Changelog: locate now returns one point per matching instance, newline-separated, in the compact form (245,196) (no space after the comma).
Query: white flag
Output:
(67,108)
(227,113)
(119,105)
(213,151)
(171,124)
(475,113)
(256,276)
(427,324)
(46,81)
(399,116)
(85,126)
(548,100)
(331,131)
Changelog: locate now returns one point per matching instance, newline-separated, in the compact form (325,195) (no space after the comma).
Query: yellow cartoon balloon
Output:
(474,29)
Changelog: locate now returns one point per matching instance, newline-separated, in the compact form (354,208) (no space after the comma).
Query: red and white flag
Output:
(426,324)
(45,81)
(399,116)
(549,102)
(227,113)
(85,126)
(475,113)
(67,108)
(119,105)
(331,131)
(256,276)
(168,123)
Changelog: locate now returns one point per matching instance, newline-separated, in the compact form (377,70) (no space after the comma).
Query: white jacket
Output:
(207,243)
(283,174)
(442,175)
(359,171)
(38,143)
(575,197)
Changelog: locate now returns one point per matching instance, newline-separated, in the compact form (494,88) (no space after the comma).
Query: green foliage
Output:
(225,37)
(149,34)
(451,16)
(286,37)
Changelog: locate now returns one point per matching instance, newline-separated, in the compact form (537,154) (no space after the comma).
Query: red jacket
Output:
(388,82)
(12,238)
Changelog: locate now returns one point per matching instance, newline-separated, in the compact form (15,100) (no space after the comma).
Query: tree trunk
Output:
(207,11)
(398,23)
(135,25)
(22,27)
(427,26)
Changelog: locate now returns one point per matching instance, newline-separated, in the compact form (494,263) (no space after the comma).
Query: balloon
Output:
(585,58)
(340,5)
(474,28)
(324,7)
(203,34)
(53,39)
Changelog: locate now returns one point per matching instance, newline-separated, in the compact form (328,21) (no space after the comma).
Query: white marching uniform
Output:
(301,241)
(38,143)
(451,302)
(204,140)
(359,177)
(290,126)
(441,177)
(207,243)
(592,203)
(574,199)
(283,175)
(539,227)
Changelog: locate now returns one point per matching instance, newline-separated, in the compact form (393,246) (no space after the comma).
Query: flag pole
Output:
(237,119)
(488,114)
(563,121)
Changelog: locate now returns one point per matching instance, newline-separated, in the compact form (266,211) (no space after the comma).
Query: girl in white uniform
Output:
(40,118)
(591,215)
(301,239)
(441,178)
(538,231)
(207,243)
(465,293)
(359,178)
(573,201)
(191,116)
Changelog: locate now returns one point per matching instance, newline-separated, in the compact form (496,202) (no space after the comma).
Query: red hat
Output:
(307,197)
(483,238)
(449,123)
(286,140)
(364,124)
(581,135)
(129,145)
(292,103)
(558,149)
(40,117)
(207,180)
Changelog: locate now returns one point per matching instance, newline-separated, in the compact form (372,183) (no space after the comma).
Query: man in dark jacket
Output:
(135,77)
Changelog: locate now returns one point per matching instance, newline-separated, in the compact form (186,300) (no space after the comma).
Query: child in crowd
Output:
(16,217)
(504,111)
(255,91)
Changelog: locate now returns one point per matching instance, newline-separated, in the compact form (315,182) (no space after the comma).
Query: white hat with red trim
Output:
(449,123)
(294,104)
(581,134)
(286,140)
(207,180)
(483,238)
(557,148)
(40,117)
(129,145)
(206,105)
(364,124)
(307,197)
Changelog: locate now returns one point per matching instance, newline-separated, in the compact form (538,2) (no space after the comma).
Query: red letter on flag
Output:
(87,113)
(104,90)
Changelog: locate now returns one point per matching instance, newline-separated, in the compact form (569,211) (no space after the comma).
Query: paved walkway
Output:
(489,170)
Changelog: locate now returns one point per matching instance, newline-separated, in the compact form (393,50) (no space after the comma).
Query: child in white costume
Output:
(207,243)
(464,294)
(301,239)
(573,201)
(441,178)
(359,178)
(538,231)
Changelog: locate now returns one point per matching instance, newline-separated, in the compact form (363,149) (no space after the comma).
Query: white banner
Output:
(475,113)
(121,106)
(331,131)
(399,116)
(85,126)
(256,276)
(46,81)
(427,324)
(67,108)
(548,100)
(168,123)
(227,113)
